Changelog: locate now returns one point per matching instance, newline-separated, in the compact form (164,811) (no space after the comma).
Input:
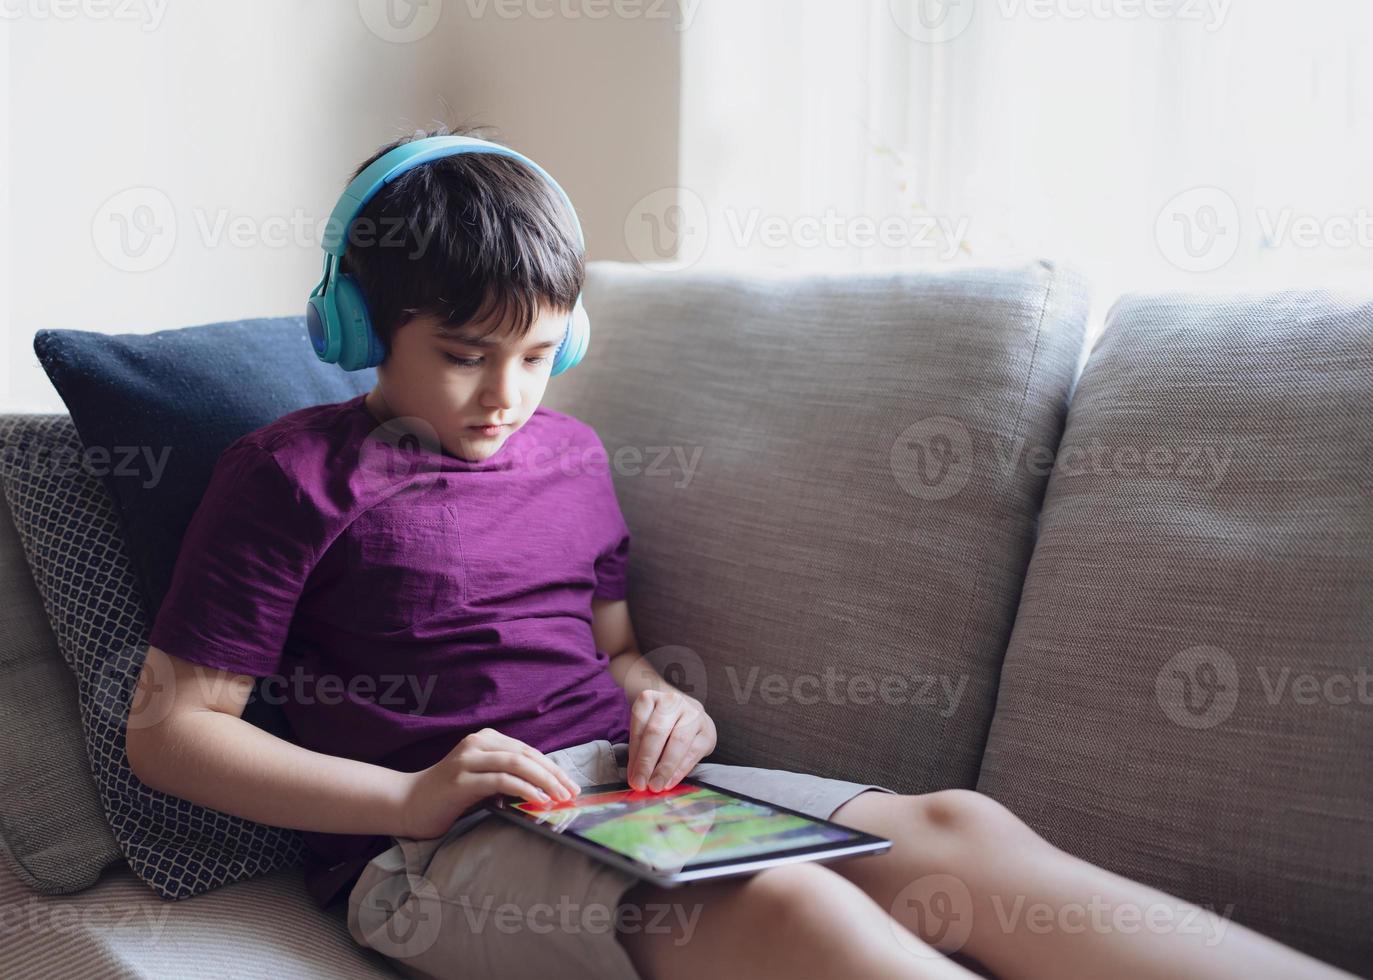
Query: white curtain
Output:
(1201,144)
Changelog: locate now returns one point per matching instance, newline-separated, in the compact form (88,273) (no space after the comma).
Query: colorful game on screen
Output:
(685,825)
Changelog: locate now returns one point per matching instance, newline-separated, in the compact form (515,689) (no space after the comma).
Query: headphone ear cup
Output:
(323,339)
(576,340)
(359,344)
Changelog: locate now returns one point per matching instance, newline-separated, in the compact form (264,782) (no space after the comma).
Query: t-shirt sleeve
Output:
(612,568)
(241,569)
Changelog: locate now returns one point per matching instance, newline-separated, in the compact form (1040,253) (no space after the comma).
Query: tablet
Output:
(690,832)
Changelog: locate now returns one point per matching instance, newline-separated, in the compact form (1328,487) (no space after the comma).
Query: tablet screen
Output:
(686,825)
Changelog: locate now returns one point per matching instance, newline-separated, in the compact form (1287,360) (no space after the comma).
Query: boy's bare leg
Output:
(965,873)
(792,922)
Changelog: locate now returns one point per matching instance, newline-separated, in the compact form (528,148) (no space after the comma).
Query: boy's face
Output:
(448,378)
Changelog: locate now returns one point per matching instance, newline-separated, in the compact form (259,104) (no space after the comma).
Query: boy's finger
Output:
(567,781)
(547,776)
(563,781)
(522,767)
(675,752)
(524,748)
(697,753)
(634,725)
(506,782)
(639,715)
(656,733)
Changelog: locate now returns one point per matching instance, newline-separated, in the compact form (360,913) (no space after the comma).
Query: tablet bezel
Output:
(863,842)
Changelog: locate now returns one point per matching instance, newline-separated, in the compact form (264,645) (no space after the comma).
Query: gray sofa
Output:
(899,526)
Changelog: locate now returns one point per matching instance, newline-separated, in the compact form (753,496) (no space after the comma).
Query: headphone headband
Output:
(408,156)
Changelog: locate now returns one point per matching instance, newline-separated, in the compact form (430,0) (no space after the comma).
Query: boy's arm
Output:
(614,633)
(669,729)
(185,737)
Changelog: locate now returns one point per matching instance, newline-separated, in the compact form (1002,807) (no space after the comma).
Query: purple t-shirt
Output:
(399,597)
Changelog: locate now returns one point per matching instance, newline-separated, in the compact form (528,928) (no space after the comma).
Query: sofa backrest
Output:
(828,544)
(1187,698)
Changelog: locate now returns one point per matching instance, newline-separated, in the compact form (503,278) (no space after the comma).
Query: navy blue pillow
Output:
(155,411)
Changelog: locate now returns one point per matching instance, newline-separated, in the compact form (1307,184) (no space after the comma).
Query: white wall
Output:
(218,136)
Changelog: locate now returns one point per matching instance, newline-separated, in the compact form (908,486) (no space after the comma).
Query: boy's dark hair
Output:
(463,237)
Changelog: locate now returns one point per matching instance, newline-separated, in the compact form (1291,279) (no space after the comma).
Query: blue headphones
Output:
(336,314)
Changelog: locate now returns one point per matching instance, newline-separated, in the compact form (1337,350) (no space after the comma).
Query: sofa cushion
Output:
(52,829)
(155,411)
(828,547)
(264,929)
(75,549)
(1188,694)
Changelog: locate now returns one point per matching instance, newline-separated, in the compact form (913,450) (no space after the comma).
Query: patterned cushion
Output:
(75,548)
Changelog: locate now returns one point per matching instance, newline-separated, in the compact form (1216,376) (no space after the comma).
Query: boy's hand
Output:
(485,763)
(669,732)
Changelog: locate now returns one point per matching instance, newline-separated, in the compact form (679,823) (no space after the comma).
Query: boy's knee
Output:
(972,819)
(794,897)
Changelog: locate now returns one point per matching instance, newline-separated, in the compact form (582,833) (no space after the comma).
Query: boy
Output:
(454,624)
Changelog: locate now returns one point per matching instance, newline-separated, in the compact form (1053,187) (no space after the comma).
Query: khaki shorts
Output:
(490,900)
